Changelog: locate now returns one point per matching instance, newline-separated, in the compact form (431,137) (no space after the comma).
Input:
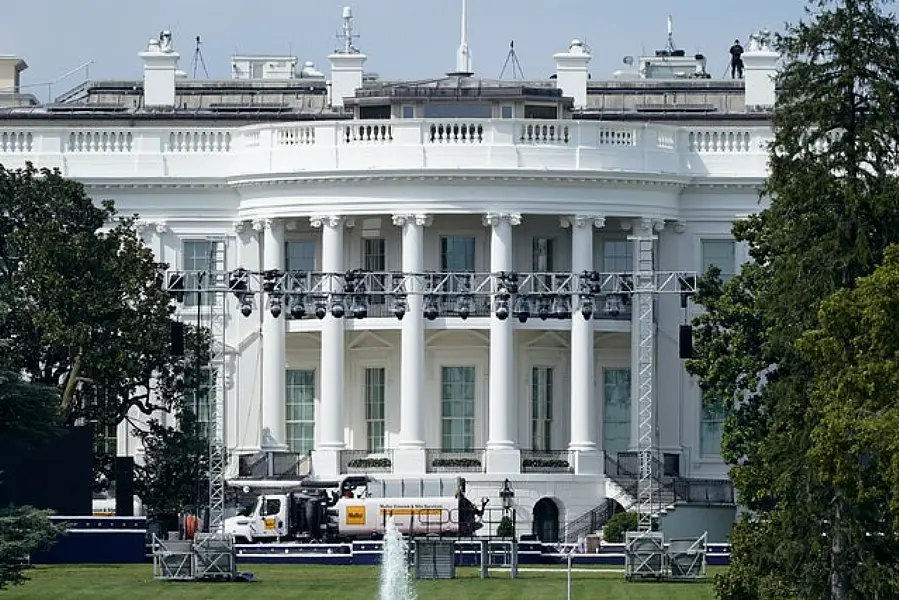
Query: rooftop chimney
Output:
(10,67)
(571,72)
(346,64)
(760,70)
(160,72)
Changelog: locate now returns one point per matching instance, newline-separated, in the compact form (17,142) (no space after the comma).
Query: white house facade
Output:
(459,182)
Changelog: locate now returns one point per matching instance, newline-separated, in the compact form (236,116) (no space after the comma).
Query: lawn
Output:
(135,582)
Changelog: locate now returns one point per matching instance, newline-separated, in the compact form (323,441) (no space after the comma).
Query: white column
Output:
(274,341)
(410,454)
(330,421)
(246,424)
(502,443)
(583,396)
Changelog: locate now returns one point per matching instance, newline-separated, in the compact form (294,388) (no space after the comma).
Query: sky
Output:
(403,39)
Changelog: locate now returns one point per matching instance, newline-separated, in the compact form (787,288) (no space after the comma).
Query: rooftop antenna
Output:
(512,58)
(198,60)
(347,33)
(463,55)
(670,47)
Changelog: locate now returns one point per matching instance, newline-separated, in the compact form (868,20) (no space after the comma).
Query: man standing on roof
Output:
(736,60)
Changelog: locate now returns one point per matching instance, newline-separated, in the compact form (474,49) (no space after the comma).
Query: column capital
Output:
(420,220)
(332,221)
(240,226)
(492,219)
(647,225)
(680,226)
(581,221)
(261,225)
(141,226)
(161,227)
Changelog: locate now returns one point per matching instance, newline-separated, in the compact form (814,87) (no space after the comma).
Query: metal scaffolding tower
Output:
(217,449)
(644,292)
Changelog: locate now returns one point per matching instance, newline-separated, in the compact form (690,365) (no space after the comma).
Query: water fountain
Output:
(395,581)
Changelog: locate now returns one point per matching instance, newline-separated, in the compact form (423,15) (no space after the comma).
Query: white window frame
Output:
(315,407)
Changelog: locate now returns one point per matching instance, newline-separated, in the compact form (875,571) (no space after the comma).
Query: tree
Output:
(834,208)
(89,316)
(175,469)
(29,414)
(23,531)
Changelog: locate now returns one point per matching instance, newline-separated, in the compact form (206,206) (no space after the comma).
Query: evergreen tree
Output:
(834,208)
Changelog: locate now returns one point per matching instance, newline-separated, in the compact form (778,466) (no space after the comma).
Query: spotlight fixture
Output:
(270,280)
(246,307)
(543,308)
(399,308)
(297,307)
(464,307)
(586,307)
(562,307)
(502,309)
(337,309)
(523,309)
(360,311)
(430,311)
(274,305)
(320,309)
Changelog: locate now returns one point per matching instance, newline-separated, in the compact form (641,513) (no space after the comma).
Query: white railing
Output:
(384,145)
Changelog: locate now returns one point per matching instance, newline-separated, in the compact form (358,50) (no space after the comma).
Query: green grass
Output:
(135,582)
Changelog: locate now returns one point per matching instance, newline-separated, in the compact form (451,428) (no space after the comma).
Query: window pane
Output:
(374,408)
(457,408)
(300,410)
(618,256)
(710,429)
(616,411)
(541,408)
(199,255)
(457,253)
(720,253)
(300,255)
(543,255)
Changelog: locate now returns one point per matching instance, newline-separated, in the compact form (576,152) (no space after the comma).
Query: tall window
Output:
(616,421)
(456,256)
(199,256)
(201,400)
(720,253)
(457,401)
(300,419)
(710,428)
(541,408)
(374,259)
(618,256)
(105,440)
(300,255)
(374,409)
(543,251)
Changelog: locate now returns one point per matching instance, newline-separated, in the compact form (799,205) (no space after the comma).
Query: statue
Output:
(165,41)
(760,41)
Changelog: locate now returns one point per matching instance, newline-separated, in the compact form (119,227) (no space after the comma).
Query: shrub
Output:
(616,527)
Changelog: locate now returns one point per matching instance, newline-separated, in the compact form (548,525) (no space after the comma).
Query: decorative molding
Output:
(581,221)
(658,225)
(332,221)
(401,220)
(493,219)
(161,227)
(239,226)
(421,220)
(290,225)
(259,225)
(141,226)
(680,226)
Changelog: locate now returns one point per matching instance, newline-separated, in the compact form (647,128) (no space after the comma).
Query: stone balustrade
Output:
(326,147)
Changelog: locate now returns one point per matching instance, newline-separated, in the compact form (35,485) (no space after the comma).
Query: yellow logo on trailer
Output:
(355,515)
(269,524)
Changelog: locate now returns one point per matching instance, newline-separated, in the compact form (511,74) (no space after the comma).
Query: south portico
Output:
(502,454)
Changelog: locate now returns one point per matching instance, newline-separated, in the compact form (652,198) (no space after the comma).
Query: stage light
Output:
(613,305)
(274,306)
(320,310)
(270,280)
(246,307)
(337,309)
(399,308)
(464,307)
(297,307)
(360,311)
(430,311)
(561,307)
(543,309)
(523,309)
(587,307)
(502,309)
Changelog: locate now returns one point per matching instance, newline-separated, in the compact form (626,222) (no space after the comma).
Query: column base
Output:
(326,462)
(269,443)
(588,462)
(411,461)
(503,461)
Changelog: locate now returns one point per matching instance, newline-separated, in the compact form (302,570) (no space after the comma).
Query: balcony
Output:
(546,461)
(444,461)
(251,152)
(360,462)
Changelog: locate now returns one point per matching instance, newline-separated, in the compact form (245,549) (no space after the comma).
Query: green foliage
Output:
(618,525)
(23,531)
(815,526)
(29,412)
(506,527)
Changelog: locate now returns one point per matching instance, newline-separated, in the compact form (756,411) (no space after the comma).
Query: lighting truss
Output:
(523,295)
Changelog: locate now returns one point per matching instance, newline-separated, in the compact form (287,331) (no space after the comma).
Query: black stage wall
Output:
(56,475)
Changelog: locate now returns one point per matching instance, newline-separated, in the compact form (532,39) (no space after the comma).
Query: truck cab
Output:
(267,520)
